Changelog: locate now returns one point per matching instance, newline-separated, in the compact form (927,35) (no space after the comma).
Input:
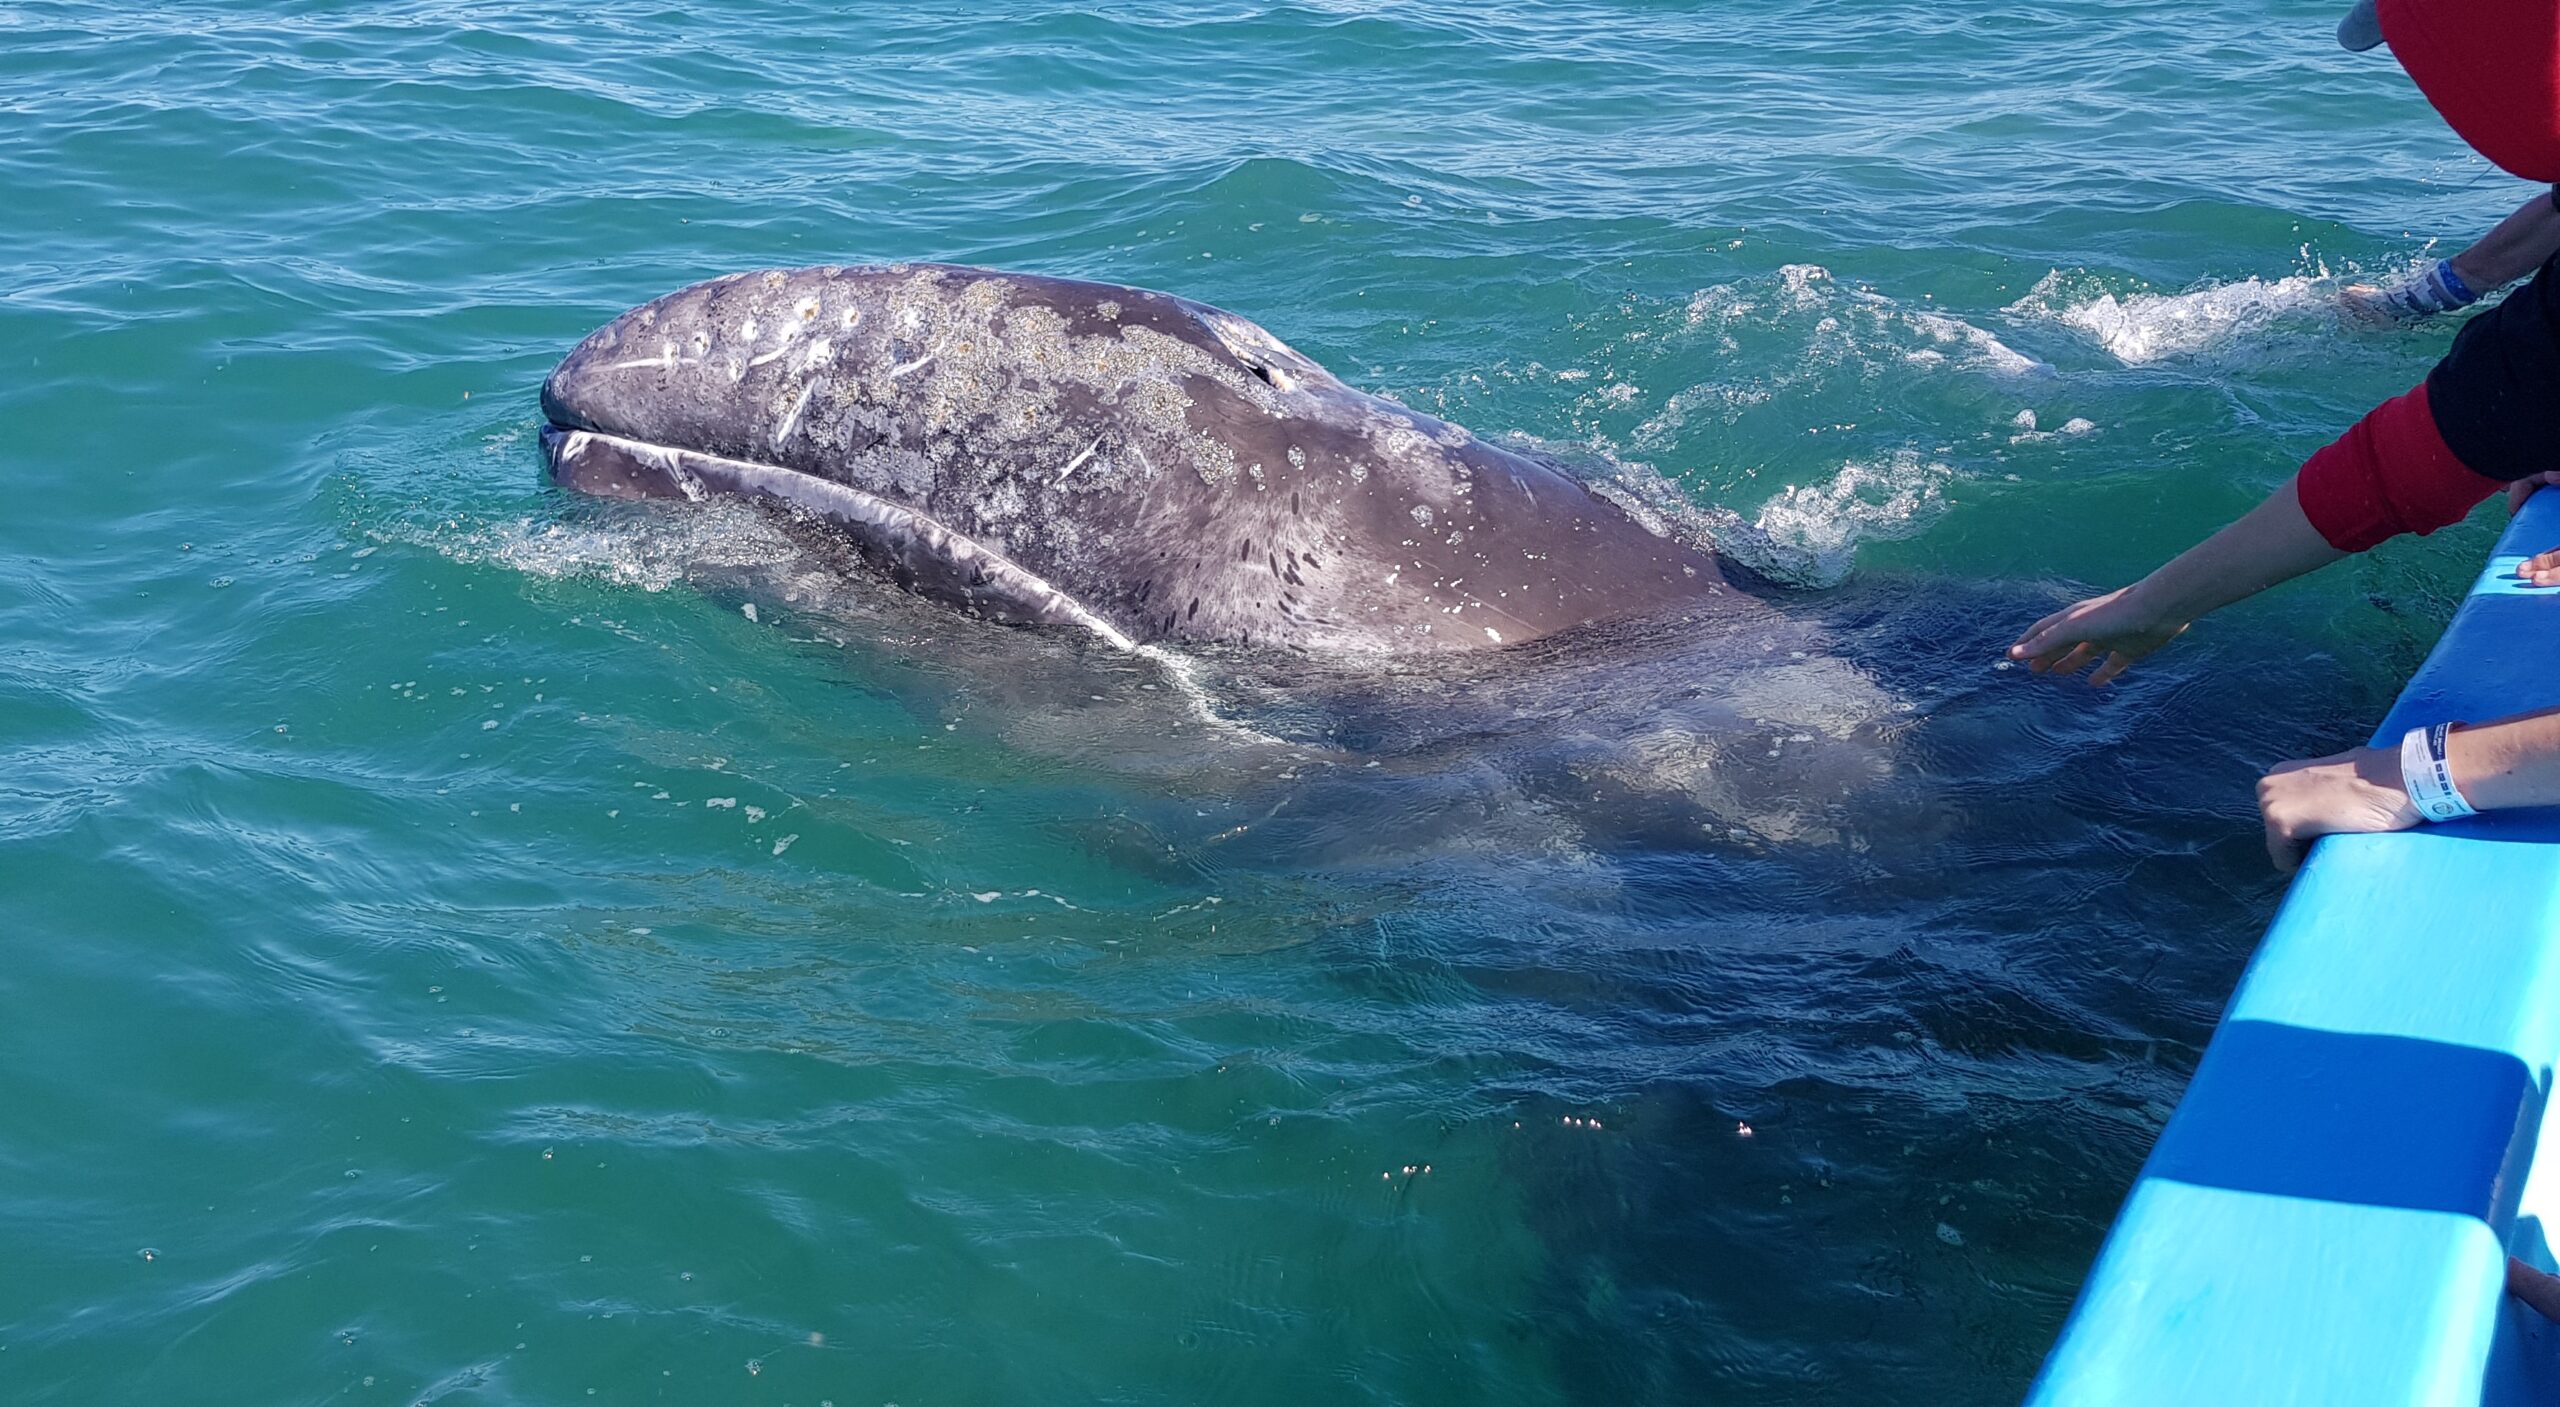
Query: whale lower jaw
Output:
(915,550)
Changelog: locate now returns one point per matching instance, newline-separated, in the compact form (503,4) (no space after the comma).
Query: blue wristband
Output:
(2452,283)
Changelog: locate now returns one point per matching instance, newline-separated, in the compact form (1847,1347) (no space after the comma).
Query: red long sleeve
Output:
(2389,475)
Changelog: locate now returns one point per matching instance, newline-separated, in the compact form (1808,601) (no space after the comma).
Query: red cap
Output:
(2492,68)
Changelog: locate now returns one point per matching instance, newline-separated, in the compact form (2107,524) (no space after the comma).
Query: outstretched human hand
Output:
(2369,303)
(2355,792)
(2121,626)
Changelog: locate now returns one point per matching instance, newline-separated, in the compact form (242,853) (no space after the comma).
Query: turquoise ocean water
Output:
(458,944)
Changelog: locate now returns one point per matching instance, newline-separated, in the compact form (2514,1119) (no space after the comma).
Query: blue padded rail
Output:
(2327,1217)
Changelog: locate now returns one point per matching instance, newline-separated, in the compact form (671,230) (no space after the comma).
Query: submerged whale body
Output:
(1149,468)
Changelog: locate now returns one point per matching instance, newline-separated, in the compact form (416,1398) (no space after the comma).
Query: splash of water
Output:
(2139,329)
(1809,533)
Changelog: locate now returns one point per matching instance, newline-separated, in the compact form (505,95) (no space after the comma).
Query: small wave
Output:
(649,550)
(2025,431)
(1850,324)
(2141,328)
(1797,340)
(1809,533)
(1976,347)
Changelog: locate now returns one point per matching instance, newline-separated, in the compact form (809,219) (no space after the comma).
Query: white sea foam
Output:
(1975,347)
(1807,331)
(2024,423)
(1851,324)
(1809,533)
(2141,328)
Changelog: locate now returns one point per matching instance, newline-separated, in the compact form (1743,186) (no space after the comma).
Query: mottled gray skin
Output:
(1039,449)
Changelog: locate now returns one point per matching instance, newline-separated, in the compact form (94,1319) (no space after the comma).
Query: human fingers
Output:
(2362,301)
(2542,568)
(2071,661)
(2285,840)
(2036,642)
(2066,629)
(2117,663)
(2284,844)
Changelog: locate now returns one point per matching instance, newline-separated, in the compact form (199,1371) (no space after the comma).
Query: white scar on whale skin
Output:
(1078,462)
(665,360)
(896,372)
(791,422)
(783,337)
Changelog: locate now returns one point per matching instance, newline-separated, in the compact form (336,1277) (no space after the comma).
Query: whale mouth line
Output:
(917,551)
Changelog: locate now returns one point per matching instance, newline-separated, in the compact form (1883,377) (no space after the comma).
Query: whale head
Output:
(1044,449)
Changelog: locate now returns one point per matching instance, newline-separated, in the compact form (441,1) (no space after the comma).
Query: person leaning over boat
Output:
(2487,417)
(2514,247)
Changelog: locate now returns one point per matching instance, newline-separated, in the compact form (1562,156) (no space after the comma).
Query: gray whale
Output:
(1044,450)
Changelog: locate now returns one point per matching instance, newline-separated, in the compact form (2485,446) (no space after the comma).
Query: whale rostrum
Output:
(1045,450)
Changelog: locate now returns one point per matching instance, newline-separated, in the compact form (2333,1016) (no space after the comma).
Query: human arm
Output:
(2484,419)
(2514,247)
(2273,542)
(2497,765)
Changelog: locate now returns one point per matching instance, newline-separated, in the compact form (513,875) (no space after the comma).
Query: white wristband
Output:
(2428,777)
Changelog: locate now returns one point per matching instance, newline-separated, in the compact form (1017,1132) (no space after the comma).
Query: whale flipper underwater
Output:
(1152,469)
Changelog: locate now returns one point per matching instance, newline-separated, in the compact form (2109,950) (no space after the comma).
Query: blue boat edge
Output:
(2327,1216)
